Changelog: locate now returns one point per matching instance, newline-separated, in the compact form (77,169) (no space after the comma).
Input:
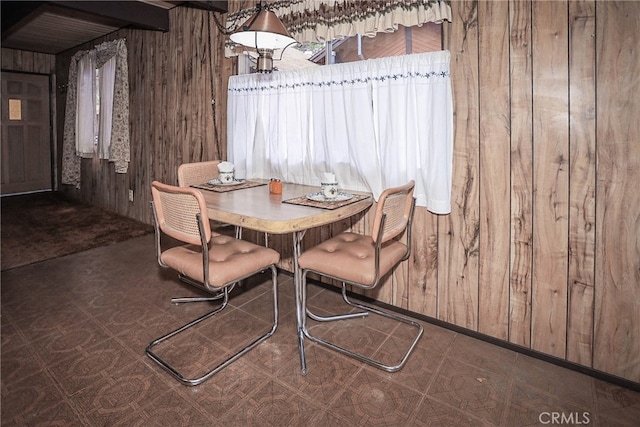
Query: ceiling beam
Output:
(17,12)
(138,14)
(221,6)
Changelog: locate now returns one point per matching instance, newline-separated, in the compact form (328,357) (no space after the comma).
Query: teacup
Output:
(225,172)
(329,190)
(225,177)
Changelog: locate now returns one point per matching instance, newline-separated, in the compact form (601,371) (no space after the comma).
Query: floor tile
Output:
(531,407)
(35,401)
(571,386)
(274,405)
(479,392)
(372,399)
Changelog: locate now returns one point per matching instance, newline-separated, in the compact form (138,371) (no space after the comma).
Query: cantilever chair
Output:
(199,173)
(196,173)
(208,261)
(362,261)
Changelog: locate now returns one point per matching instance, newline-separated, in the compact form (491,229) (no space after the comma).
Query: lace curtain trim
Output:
(265,87)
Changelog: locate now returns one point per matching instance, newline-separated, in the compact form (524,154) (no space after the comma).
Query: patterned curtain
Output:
(321,20)
(119,152)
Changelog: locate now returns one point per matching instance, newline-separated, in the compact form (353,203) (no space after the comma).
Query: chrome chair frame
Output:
(192,174)
(222,292)
(366,309)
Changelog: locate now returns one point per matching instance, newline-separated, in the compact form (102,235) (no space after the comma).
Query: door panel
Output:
(26,133)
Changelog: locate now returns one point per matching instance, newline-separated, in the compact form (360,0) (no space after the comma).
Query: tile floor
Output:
(74,331)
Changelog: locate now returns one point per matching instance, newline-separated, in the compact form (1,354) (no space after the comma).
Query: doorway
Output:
(26,133)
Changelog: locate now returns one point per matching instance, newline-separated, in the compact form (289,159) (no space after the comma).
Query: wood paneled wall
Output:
(542,247)
(177,80)
(28,62)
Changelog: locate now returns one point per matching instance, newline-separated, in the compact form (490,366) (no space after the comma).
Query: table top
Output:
(256,209)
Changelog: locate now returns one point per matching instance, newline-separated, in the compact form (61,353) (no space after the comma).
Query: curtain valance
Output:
(321,20)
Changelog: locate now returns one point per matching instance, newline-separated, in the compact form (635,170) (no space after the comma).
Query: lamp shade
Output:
(263,30)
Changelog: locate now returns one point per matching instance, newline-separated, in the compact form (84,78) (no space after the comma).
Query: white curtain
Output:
(89,122)
(107,84)
(375,124)
(86,110)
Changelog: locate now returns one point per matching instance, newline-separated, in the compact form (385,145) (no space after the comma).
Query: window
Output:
(94,106)
(400,27)
(407,40)
(96,120)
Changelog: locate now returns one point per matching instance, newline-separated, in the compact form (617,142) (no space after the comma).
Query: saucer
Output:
(216,181)
(319,197)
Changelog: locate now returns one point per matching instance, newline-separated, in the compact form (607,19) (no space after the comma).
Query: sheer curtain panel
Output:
(107,88)
(375,124)
(86,107)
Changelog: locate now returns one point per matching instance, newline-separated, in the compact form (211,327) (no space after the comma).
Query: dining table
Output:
(296,209)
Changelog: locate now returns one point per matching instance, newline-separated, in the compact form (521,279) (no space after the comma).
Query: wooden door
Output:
(26,133)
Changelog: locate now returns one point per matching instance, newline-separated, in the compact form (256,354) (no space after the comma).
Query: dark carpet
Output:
(41,226)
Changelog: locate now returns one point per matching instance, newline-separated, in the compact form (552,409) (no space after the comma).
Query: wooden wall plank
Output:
(201,98)
(159,118)
(550,176)
(617,316)
(214,64)
(582,183)
(30,62)
(164,130)
(521,252)
(171,146)
(423,271)
(135,48)
(459,232)
(493,292)
(184,62)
